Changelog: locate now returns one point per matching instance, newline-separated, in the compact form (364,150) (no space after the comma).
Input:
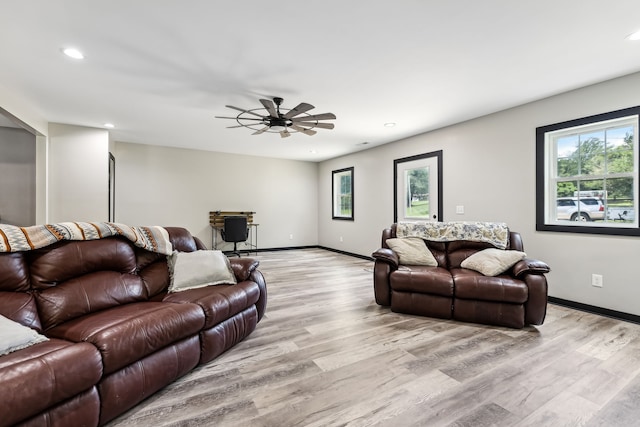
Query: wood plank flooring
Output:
(326,355)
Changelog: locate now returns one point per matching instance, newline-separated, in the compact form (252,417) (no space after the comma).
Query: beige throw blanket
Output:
(16,239)
(495,233)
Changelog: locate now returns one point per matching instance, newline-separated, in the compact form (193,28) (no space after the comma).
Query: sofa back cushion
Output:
(14,272)
(439,251)
(75,278)
(459,250)
(16,303)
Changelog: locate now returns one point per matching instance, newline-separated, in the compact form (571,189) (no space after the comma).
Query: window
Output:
(342,194)
(587,174)
(418,187)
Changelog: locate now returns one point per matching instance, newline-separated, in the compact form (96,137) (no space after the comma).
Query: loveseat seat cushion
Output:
(422,279)
(38,377)
(127,333)
(219,302)
(470,284)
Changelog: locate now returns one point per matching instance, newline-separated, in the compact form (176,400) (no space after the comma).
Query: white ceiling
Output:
(160,70)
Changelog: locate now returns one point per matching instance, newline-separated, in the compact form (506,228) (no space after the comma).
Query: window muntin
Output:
(593,164)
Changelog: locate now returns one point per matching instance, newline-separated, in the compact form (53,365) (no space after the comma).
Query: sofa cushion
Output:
(14,336)
(492,262)
(15,272)
(75,278)
(127,333)
(423,280)
(221,302)
(20,307)
(470,284)
(38,377)
(123,389)
(190,270)
(412,251)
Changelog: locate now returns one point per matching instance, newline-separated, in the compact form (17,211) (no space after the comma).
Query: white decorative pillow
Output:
(492,261)
(412,251)
(14,336)
(190,270)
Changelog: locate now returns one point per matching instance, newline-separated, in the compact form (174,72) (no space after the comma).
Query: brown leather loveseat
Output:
(513,298)
(115,335)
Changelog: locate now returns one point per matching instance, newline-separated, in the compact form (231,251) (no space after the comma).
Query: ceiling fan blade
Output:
(259,131)
(235,118)
(323,116)
(285,133)
(268,104)
(244,111)
(317,125)
(299,109)
(303,130)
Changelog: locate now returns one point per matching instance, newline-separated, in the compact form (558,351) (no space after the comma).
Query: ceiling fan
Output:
(275,121)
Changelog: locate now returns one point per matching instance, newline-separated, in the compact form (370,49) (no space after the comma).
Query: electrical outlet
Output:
(341,239)
(290,236)
(596,280)
(460,209)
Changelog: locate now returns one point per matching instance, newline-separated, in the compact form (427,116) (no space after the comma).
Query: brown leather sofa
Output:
(115,335)
(516,298)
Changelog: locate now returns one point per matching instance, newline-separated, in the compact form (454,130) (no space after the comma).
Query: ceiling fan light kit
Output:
(284,122)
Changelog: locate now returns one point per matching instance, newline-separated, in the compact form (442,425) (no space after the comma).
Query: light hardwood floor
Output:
(326,355)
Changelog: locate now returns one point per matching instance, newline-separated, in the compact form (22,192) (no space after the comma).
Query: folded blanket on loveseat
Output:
(495,233)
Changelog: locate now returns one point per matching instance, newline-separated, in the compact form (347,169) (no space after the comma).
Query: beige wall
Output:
(78,173)
(179,187)
(17,177)
(489,167)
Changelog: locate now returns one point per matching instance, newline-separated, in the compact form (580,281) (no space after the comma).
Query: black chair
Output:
(235,230)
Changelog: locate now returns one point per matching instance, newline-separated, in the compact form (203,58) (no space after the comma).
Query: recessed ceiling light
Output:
(389,125)
(313,151)
(109,125)
(72,52)
(634,36)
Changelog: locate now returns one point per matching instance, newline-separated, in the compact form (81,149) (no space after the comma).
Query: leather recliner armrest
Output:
(530,266)
(243,267)
(386,255)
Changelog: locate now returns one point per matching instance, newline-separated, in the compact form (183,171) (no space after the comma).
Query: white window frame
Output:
(547,178)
